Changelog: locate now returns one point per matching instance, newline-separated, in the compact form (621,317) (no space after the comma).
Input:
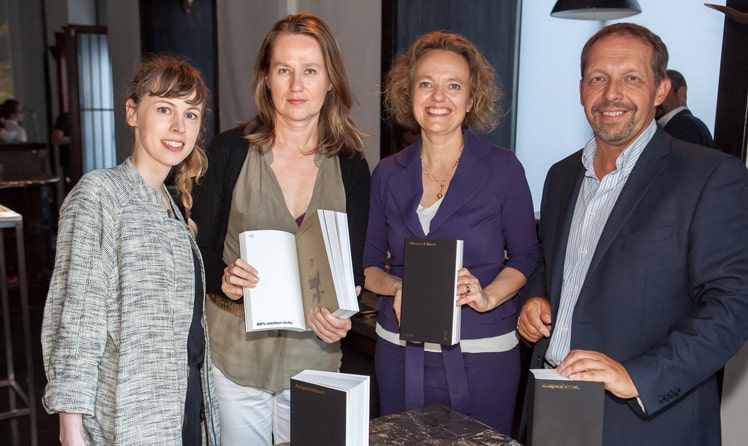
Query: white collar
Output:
(664,119)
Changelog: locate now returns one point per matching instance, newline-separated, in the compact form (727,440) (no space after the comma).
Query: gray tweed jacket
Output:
(120,302)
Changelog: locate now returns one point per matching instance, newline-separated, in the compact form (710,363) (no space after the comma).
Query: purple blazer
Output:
(488,205)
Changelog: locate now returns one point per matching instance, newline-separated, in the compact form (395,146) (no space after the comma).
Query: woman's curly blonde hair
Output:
(398,91)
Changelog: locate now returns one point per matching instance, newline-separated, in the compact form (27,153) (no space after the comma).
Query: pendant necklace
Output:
(441,182)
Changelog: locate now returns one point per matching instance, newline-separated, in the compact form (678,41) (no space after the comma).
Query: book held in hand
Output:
(563,412)
(298,272)
(429,294)
(330,409)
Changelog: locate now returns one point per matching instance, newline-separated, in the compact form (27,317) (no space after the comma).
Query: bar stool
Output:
(12,220)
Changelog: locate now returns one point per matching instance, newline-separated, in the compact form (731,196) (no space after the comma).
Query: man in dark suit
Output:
(674,116)
(643,279)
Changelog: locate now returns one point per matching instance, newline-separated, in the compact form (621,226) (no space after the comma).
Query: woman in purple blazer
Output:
(450,184)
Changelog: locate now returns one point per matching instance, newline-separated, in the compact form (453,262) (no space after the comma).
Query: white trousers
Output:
(251,416)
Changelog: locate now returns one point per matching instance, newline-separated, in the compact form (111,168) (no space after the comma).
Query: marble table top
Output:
(433,424)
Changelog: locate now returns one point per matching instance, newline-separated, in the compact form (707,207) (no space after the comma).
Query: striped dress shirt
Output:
(594,204)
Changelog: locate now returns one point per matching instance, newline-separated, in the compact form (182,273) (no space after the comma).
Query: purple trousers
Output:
(492,380)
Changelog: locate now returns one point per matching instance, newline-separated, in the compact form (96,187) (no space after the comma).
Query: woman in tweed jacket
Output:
(125,351)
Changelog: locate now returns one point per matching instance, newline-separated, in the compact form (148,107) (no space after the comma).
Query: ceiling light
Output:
(595,9)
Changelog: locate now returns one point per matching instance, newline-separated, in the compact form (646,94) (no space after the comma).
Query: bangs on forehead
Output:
(178,84)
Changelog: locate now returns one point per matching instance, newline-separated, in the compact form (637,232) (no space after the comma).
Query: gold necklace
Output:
(441,182)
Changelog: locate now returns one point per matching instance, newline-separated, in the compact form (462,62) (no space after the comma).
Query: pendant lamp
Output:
(595,9)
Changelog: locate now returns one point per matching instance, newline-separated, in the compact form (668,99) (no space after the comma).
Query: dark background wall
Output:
(731,123)
(496,35)
(188,34)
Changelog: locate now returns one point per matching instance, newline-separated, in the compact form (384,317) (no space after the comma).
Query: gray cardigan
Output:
(120,302)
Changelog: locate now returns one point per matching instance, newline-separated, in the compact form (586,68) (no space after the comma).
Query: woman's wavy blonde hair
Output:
(173,77)
(398,91)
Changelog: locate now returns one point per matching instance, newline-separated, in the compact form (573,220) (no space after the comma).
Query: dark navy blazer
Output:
(666,293)
(684,125)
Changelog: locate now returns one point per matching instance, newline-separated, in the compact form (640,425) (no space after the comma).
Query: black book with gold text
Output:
(563,412)
(428,312)
(329,408)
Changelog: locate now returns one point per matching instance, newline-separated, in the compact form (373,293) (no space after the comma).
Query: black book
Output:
(563,412)
(428,312)
(329,408)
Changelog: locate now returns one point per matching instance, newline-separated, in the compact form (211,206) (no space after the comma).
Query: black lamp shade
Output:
(595,9)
